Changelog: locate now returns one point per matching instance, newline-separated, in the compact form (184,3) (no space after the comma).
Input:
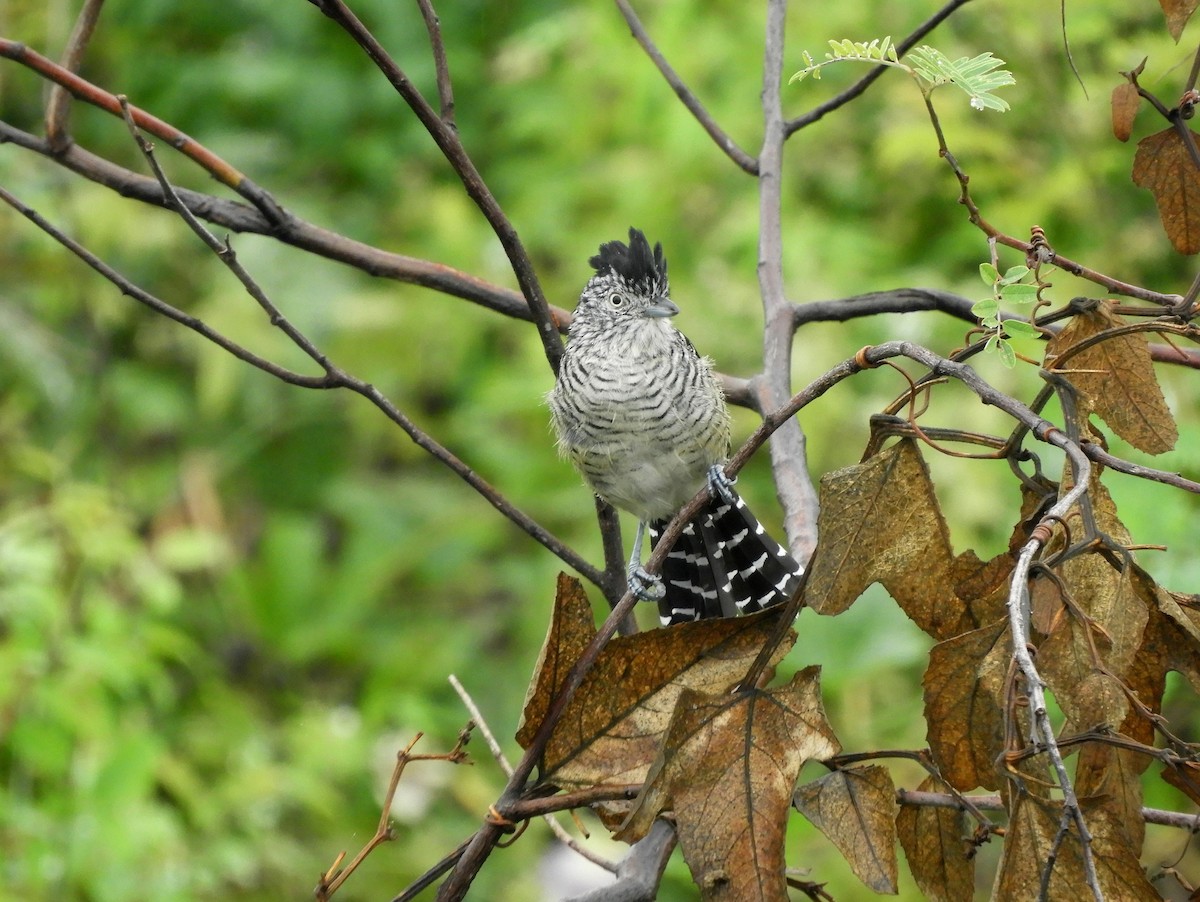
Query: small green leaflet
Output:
(979,76)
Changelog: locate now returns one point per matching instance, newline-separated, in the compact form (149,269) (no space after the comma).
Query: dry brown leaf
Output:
(1147,676)
(1117,377)
(1181,608)
(612,729)
(1033,824)
(1177,12)
(1117,617)
(727,770)
(1125,103)
(964,712)
(1046,608)
(572,627)
(880,522)
(1184,776)
(982,587)
(856,809)
(1109,777)
(934,842)
(1163,165)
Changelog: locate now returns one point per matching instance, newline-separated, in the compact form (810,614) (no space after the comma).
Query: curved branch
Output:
(730,147)
(297,232)
(445,135)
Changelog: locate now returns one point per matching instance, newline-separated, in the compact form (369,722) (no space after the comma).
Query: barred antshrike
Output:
(642,417)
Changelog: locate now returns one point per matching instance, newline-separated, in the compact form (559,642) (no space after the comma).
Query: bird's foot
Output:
(646,586)
(720,485)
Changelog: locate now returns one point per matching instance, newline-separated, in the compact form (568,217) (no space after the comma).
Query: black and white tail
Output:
(724,564)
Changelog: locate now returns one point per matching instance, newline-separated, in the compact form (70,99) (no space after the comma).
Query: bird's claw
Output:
(720,485)
(646,586)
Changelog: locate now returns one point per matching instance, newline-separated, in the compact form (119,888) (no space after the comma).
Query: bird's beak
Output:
(661,308)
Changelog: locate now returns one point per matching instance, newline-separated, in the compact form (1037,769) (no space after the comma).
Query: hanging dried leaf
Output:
(612,729)
(1164,166)
(727,770)
(880,522)
(1184,776)
(856,809)
(572,627)
(1033,824)
(1118,379)
(1177,12)
(934,842)
(964,712)
(1125,103)
(1148,674)
(1109,777)
(1106,637)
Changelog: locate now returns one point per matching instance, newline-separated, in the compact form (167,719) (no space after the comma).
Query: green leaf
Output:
(1007,355)
(1015,274)
(1018,328)
(978,76)
(989,274)
(1019,294)
(988,308)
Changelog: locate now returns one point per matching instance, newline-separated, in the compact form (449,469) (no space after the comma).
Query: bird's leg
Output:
(642,584)
(720,485)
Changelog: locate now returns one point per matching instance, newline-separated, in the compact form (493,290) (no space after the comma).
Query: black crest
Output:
(635,263)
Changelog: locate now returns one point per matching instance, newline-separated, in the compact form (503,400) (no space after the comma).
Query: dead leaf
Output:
(935,843)
(1107,635)
(1109,777)
(856,810)
(964,705)
(1163,165)
(880,522)
(727,770)
(612,729)
(1177,12)
(1033,824)
(1046,608)
(1117,377)
(1125,103)
(1184,776)
(572,627)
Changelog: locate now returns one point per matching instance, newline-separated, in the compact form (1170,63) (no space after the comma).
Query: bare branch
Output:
(640,873)
(446,137)
(730,148)
(789,457)
(294,231)
(441,67)
(58,103)
(501,759)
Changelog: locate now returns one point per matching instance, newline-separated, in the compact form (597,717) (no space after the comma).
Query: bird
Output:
(641,415)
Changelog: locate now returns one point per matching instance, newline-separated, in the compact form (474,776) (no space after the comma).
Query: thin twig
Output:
(730,148)
(58,103)
(441,67)
(445,136)
(498,753)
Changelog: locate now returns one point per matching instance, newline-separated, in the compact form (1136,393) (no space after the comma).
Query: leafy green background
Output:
(225,603)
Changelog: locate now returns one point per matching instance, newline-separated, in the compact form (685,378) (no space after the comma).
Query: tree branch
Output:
(730,148)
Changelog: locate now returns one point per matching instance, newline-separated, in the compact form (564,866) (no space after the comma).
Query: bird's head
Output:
(630,282)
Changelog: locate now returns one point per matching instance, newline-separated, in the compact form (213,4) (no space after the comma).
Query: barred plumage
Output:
(642,417)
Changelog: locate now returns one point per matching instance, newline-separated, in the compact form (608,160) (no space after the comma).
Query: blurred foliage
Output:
(226,603)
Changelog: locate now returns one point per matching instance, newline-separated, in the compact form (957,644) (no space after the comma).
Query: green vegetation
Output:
(226,602)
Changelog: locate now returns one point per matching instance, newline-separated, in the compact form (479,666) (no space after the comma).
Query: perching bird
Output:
(641,416)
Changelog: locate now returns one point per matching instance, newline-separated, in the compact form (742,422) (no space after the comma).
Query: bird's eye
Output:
(616,299)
